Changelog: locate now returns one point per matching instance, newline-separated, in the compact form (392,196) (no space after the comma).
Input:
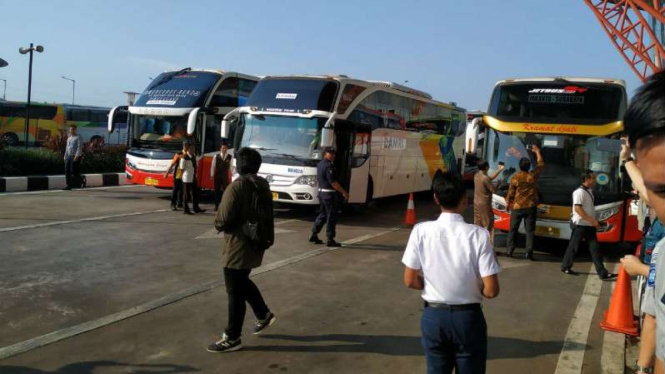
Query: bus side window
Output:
(226,94)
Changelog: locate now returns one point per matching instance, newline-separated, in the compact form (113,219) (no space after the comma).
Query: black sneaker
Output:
(173,208)
(225,345)
(608,276)
(261,325)
(569,271)
(315,239)
(332,243)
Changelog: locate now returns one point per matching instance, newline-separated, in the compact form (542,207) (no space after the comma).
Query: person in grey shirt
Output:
(645,125)
(73,154)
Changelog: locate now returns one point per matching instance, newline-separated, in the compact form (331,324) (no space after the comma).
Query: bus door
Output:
(359,166)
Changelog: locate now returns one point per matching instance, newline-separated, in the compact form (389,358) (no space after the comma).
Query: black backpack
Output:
(259,227)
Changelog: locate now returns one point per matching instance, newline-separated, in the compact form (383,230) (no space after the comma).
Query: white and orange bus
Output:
(179,105)
(577,123)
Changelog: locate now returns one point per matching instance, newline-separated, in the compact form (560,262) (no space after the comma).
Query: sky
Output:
(454,50)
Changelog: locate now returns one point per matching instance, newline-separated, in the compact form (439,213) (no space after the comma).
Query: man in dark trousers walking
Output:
(584,227)
(240,255)
(329,200)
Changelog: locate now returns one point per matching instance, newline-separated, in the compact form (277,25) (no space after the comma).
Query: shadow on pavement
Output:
(89,367)
(498,347)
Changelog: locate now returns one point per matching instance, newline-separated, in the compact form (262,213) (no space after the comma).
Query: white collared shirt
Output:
(454,256)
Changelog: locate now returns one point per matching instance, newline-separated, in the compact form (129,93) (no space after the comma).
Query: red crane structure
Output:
(637,29)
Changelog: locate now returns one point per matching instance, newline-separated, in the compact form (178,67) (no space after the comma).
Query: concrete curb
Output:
(56,182)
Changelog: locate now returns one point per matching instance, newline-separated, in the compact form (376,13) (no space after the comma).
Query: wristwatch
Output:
(643,369)
(629,159)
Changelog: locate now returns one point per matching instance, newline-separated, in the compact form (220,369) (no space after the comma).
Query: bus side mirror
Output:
(327,137)
(227,123)
(114,115)
(191,121)
(229,120)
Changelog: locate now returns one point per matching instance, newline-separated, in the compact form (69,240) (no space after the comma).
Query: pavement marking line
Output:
(68,332)
(56,223)
(574,345)
(60,191)
(613,356)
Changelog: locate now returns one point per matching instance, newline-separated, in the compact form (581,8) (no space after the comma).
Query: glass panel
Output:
(159,131)
(288,137)
(294,95)
(173,90)
(554,102)
(565,157)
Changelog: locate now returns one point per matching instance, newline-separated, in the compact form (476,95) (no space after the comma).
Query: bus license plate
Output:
(275,195)
(151,182)
(548,231)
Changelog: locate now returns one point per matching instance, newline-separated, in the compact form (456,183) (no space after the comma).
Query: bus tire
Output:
(10,138)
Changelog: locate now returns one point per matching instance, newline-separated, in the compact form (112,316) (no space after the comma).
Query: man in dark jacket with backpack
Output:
(245,216)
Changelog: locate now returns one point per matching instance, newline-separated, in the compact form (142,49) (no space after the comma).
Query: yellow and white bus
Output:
(577,123)
(390,139)
(51,120)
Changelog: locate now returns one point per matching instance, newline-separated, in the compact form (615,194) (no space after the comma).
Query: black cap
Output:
(329,150)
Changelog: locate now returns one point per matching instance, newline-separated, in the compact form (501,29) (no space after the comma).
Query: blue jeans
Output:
(454,339)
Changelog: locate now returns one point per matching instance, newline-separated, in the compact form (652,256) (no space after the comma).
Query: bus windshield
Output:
(281,136)
(566,157)
(558,102)
(159,131)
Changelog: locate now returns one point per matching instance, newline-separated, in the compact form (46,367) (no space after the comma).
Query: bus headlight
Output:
(499,206)
(605,214)
(131,165)
(309,180)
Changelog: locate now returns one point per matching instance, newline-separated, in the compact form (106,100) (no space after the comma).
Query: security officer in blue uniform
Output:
(329,188)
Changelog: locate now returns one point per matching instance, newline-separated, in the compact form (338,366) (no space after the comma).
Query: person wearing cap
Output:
(329,188)
(454,276)
(644,124)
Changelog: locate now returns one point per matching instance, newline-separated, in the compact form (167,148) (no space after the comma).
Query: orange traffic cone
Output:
(619,317)
(410,216)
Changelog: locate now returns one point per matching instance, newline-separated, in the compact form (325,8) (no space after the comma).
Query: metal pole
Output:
(4,94)
(27,108)
(73,91)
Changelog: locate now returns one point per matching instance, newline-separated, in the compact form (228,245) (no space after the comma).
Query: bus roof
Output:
(620,82)
(222,72)
(341,78)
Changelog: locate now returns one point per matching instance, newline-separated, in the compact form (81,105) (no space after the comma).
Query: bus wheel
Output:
(10,138)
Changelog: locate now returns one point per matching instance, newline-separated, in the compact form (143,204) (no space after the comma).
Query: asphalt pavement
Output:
(109,280)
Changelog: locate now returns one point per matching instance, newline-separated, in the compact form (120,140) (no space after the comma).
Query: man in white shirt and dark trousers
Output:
(584,227)
(453,262)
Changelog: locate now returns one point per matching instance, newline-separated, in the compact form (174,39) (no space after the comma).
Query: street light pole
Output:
(73,88)
(23,51)
(4,94)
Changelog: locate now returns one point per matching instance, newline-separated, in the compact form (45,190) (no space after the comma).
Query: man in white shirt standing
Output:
(584,227)
(453,262)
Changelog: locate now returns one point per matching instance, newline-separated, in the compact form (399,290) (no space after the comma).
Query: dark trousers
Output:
(241,289)
(72,171)
(195,195)
(176,195)
(516,217)
(327,215)
(454,339)
(187,191)
(587,233)
(220,186)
